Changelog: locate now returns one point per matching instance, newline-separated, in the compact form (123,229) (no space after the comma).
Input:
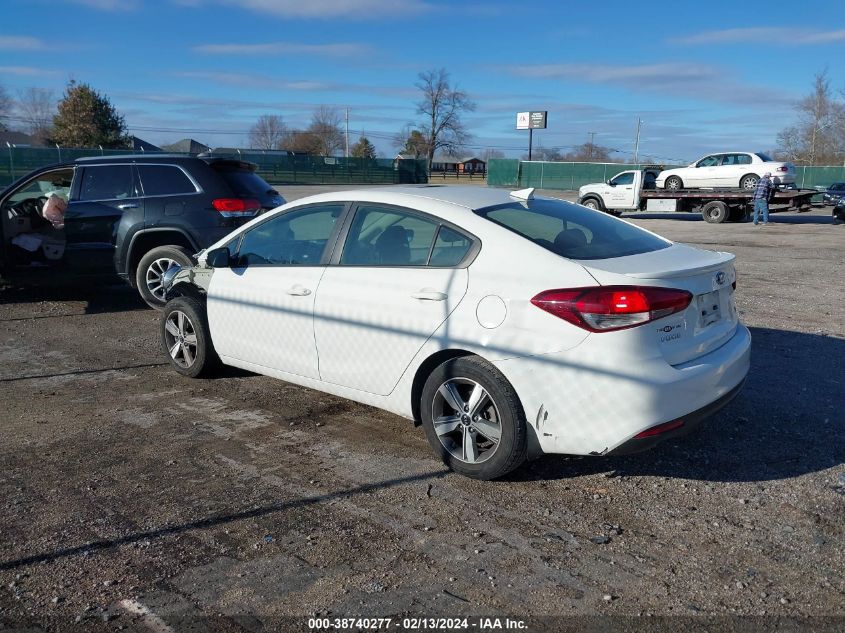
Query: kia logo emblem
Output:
(720,278)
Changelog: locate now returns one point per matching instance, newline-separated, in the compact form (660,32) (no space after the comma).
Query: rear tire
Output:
(749,181)
(151,268)
(673,182)
(186,339)
(715,212)
(473,419)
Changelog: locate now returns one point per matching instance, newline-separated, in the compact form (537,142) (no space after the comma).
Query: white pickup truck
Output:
(634,190)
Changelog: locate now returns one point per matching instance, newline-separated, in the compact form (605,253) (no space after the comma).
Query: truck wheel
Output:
(749,181)
(151,268)
(592,203)
(673,182)
(715,212)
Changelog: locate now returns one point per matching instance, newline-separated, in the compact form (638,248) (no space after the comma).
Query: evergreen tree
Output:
(87,119)
(363,149)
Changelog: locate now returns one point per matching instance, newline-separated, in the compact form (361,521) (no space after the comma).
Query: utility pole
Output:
(347,132)
(637,144)
(592,136)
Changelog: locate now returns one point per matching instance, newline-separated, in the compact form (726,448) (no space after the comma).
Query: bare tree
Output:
(326,131)
(5,108)
(442,106)
(269,132)
(589,152)
(819,136)
(489,153)
(37,107)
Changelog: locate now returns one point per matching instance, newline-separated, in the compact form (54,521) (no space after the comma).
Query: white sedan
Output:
(508,326)
(729,169)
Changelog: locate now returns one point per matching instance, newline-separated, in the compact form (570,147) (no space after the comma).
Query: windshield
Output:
(573,231)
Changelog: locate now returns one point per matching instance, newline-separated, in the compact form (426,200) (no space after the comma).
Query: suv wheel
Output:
(151,269)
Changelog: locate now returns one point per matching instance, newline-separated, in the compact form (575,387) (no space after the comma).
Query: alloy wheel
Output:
(466,420)
(180,338)
(155,275)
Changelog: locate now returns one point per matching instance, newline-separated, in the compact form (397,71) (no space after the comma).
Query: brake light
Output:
(608,308)
(784,168)
(236,207)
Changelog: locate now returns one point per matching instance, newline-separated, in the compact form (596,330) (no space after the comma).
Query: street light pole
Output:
(637,144)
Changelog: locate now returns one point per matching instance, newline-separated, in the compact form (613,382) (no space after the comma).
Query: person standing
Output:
(761,198)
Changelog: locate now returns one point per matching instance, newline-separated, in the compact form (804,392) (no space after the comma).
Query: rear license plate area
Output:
(709,310)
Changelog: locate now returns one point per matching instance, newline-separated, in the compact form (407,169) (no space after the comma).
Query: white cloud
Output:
(680,79)
(108,5)
(28,71)
(20,43)
(356,9)
(286,48)
(765,35)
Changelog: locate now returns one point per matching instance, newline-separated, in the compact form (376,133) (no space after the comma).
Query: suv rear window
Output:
(573,231)
(164,180)
(244,183)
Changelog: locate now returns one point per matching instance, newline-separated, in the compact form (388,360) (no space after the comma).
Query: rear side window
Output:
(450,248)
(573,231)
(245,184)
(383,236)
(164,180)
(107,182)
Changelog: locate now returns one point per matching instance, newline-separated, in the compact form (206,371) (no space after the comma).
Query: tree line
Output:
(83,117)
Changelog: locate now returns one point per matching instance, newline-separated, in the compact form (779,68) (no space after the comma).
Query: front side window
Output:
(43,186)
(710,161)
(573,231)
(295,238)
(107,182)
(164,180)
(385,236)
(623,179)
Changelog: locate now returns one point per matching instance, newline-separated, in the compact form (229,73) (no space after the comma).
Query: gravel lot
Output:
(133,498)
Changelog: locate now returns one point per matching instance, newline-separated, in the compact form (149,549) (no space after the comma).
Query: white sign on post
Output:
(522,120)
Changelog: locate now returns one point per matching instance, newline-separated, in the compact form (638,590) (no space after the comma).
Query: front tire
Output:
(673,182)
(748,182)
(473,419)
(592,203)
(186,339)
(151,269)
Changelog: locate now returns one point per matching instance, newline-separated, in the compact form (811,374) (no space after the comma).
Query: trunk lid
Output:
(710,319)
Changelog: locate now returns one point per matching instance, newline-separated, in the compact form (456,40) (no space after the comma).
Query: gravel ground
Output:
(132,498)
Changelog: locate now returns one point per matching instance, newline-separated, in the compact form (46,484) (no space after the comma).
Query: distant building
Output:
(186,146)
(18,139)
(140,145)
(460,165)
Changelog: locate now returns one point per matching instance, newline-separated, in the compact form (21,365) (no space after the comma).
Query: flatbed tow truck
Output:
(635,191)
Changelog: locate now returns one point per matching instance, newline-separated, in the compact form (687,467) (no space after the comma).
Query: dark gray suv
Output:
(134,215)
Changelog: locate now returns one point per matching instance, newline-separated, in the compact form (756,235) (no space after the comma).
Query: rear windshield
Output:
(573,231)
(764,157)
(245,184)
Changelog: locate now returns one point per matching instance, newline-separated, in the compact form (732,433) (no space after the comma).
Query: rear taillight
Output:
(236,207)
(784,168)
(608,308)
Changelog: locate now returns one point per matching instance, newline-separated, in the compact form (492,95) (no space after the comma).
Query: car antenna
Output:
(523,194)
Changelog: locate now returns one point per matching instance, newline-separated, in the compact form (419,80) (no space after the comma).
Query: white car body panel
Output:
(582,392)
(694,176)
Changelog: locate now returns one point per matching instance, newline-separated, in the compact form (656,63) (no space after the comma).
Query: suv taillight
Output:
(608,308)
(236,207)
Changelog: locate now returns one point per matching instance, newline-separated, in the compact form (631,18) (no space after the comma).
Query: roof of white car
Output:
(469,196)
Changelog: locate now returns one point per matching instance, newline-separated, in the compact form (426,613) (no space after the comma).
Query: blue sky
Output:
(702,76)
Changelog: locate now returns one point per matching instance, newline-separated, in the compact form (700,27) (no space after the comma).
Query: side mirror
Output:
(218,258)
(611,183)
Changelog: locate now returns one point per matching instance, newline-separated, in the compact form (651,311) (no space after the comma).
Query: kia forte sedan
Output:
(508,326)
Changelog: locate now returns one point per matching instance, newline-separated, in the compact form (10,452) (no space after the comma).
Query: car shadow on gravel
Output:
(788,421)
(99,294)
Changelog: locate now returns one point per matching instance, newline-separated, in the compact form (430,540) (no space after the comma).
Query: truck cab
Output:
(622,192)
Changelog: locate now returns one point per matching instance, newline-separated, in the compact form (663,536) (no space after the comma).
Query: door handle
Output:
(298,291)
(127,205)
(429,295)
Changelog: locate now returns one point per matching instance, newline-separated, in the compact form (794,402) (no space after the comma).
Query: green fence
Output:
(571,176)
(275,167)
